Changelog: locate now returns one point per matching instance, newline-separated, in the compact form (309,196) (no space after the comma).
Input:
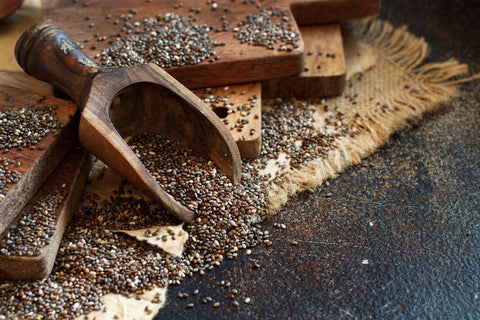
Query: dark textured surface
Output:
(400,236)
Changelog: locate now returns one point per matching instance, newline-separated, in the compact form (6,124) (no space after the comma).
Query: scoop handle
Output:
(47,53)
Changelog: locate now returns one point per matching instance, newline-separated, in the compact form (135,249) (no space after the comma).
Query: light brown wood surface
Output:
(36,165)
(20,80)
(238,63)
(324,70)
(241,113)
(120,102)
(70,175)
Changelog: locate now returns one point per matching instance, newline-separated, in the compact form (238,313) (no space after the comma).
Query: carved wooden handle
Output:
(47,53)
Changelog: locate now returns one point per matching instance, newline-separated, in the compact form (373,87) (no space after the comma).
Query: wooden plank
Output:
(238,63)
(325,67)
(240,109)
(306,11)
(70,177)
(34,165)
(322,12)
(20,80)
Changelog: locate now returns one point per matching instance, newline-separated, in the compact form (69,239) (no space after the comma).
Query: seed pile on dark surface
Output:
(27,126)
(167,41)
(7,176)
(35,230)
(93,260)
(260,30)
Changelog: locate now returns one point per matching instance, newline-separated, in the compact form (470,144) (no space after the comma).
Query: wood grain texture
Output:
(70,175)
(328,11)
(120,102)
(37,164)
(238,63)
(21,80)
(241,112)
(325,67)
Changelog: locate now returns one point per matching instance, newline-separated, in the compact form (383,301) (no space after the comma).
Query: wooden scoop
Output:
(117,103)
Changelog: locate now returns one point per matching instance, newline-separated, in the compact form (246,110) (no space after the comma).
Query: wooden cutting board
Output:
(238,63)
(69,176)
(33,166)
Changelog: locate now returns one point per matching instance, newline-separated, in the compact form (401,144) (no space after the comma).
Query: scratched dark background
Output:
(400,236)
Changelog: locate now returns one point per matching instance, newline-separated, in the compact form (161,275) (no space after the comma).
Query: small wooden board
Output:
(325,67)
(70,175)
(238,63)
(35,165)
(240,108)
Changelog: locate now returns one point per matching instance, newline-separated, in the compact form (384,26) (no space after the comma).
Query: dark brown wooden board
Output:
(38,164)
(325,67)
(238,63)
(70,175)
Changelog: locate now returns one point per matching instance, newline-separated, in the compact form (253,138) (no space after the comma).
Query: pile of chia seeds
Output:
(167,41)
(260,30)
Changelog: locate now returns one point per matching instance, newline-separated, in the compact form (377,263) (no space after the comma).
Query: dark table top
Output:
(399,238)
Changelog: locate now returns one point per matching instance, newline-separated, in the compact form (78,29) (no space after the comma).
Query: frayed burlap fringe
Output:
(399,89)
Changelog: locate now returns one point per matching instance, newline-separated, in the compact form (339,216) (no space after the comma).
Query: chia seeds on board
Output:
(167,41)
(172,40)
(93,261)
(35,230)
(7,176)
(260,30)
(25,127)
(223,107)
